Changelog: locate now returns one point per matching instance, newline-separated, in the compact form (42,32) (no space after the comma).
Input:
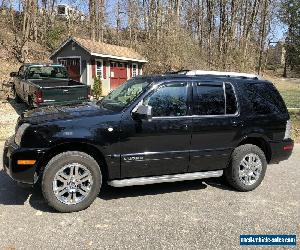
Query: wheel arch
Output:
(260,142)
(87,148)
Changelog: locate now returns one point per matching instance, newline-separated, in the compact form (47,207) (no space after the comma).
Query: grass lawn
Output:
(295,117)
(291,98)
(290,91)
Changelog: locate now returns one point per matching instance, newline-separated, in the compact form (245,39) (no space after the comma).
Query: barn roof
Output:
(101,49)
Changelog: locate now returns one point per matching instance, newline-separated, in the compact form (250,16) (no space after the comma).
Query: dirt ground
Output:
(9,113)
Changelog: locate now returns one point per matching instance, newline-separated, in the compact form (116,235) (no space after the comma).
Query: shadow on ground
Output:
(12,193)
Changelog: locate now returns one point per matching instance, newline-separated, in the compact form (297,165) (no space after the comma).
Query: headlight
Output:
(20,132)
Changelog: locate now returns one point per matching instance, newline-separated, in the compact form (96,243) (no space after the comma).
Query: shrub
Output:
(97,87)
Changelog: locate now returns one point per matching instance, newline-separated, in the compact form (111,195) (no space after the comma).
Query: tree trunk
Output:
(262,35)
(92,10)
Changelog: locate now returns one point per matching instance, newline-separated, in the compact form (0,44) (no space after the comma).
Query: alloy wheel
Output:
(72,183)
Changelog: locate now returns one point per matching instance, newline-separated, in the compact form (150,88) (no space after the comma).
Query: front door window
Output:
(169,100)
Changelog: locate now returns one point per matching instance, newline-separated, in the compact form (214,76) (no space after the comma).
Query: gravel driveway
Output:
(187,215)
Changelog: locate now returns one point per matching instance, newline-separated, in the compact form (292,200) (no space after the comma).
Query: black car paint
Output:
(133,147)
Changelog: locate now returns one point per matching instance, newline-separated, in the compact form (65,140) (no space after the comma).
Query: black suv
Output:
(152,129)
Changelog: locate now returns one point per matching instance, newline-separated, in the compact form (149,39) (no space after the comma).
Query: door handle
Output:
(236,124)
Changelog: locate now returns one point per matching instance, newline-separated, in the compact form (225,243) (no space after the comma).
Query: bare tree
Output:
(93,19)
(262,33)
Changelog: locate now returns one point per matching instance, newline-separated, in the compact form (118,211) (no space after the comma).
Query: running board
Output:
(164,178)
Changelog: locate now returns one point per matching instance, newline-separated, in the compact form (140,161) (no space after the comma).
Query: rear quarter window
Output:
(263,98)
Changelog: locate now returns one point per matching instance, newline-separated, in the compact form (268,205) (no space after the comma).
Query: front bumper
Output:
(20,173)
(281,150)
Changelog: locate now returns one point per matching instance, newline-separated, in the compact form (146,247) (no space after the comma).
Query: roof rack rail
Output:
(180,72)
(217,73)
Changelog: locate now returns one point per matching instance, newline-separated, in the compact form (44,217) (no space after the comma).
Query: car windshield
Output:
(122,96)
(37,72)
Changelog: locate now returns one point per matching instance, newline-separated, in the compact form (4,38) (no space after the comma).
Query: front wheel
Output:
(247,168)
(17,97)
(71,181)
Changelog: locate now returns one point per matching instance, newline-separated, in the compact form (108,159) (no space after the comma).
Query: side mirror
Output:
(13,74)
(143,112)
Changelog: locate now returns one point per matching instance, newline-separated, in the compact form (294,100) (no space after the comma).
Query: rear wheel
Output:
(247,168)
(30,103)
(71,181)
(17,98)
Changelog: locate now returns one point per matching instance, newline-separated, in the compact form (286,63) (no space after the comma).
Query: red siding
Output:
(93,68)
(104,69)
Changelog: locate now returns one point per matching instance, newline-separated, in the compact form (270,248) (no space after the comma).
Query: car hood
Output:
(51,113)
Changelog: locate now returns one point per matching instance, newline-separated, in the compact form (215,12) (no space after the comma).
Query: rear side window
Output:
(209,99)
(264,98)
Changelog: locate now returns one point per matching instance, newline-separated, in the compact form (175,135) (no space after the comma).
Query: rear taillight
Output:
(288,130)
(38,97)
(288,147)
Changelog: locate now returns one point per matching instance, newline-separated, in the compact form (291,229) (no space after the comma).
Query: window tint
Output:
(209,100)
(36,72)
(169,100)
(231,105)
(264,98)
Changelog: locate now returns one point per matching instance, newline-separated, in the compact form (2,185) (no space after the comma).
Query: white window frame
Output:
(136,70)
(96,68)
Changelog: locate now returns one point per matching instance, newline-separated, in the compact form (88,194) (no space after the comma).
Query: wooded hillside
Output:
(172,34)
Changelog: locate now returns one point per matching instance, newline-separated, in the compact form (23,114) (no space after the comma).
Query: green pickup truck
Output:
(47,84)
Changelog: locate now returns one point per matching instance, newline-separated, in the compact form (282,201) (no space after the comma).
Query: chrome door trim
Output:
(164,178)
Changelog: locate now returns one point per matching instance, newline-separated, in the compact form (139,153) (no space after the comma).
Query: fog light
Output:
(26,162)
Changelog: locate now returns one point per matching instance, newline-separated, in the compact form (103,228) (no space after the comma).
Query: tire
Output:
(53,174)
(30,103)
(17,98)
(238,176)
